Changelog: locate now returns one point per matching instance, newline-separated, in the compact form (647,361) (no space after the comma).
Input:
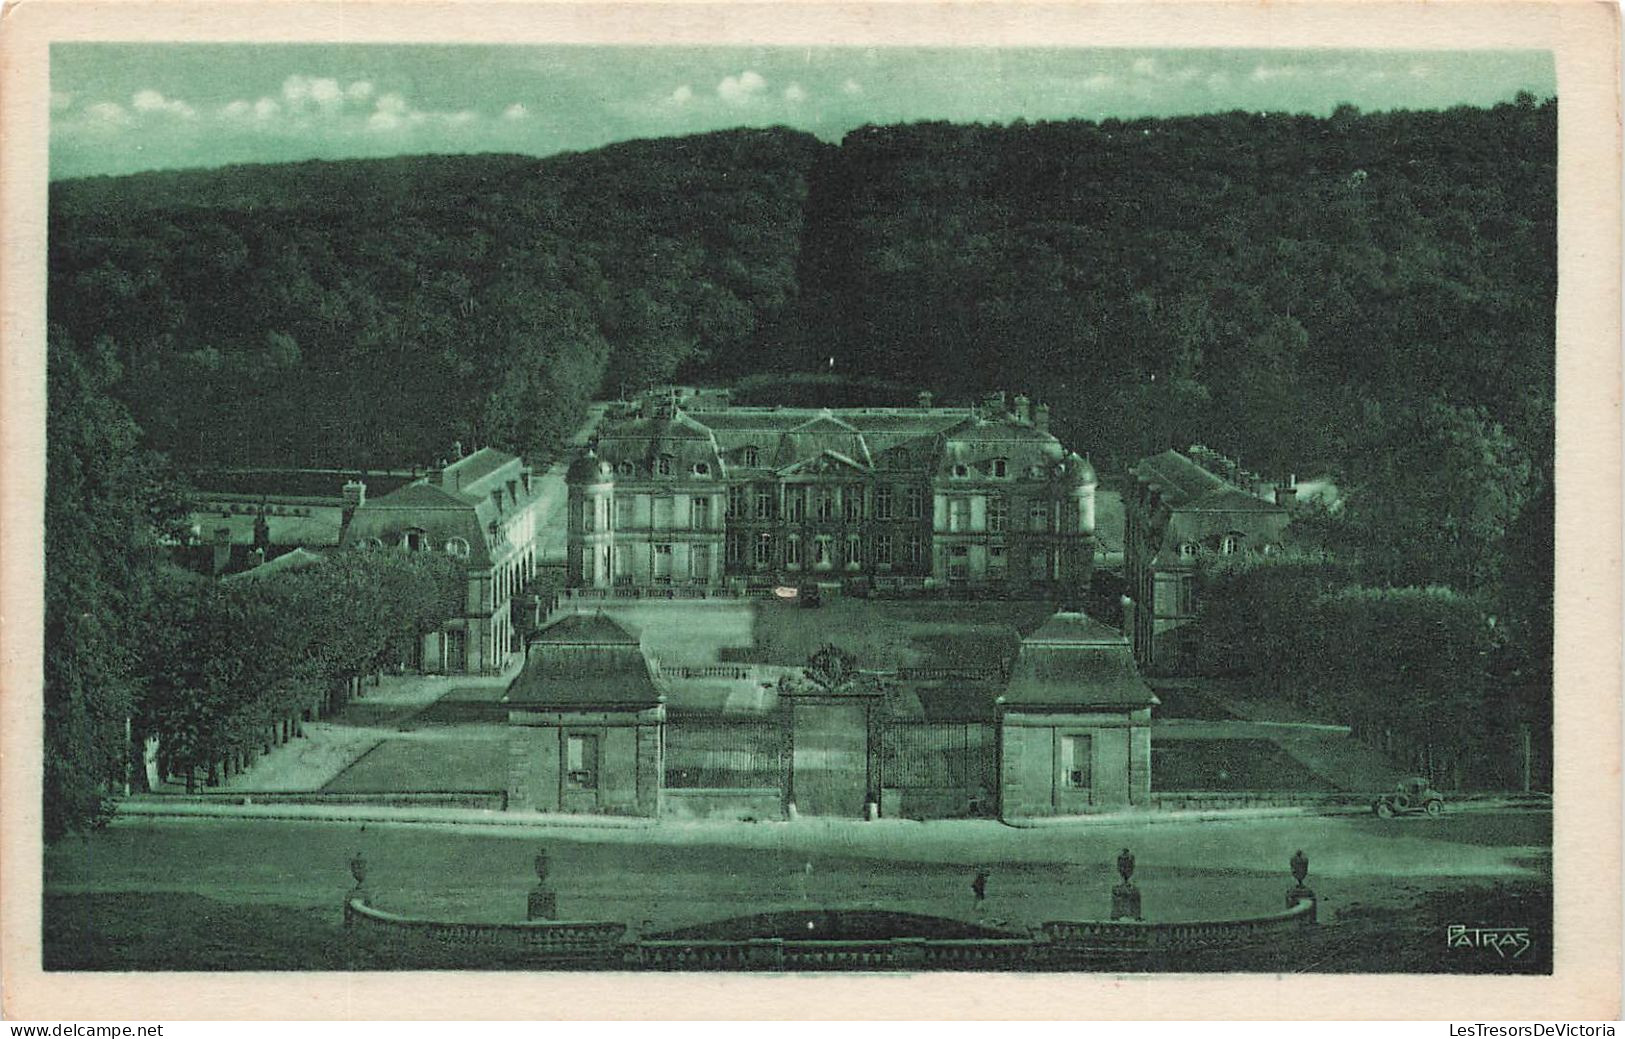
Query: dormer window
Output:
(415,540)
(1230,544)
(961,471)
(750,456)
(702,469)
(663,465)
(1001,468)
(457,547)
(626,468)
(1187,550)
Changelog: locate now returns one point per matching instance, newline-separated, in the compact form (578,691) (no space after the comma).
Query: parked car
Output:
(1410,797)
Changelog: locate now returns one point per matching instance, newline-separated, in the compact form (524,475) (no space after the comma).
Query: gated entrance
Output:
(832,754)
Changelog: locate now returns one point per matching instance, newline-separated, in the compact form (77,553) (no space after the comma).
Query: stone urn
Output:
(1299,891)
(542,902)
(358,869)
(1125,896)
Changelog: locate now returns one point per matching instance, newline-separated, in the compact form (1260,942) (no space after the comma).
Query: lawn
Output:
(1225,765)
(440,765)
(891,634)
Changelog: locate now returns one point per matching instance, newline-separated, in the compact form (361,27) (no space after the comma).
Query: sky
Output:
(122,108)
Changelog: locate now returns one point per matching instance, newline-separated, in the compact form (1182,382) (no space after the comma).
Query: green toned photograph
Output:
(799,509)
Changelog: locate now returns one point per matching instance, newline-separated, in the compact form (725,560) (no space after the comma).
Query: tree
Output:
(102,498)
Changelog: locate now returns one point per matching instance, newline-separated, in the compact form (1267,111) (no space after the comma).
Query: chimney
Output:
(1286,494)
(355,495)
(457,449)
(1023,408)
(925,398)
(1041,417)
(525,476)
(222,549)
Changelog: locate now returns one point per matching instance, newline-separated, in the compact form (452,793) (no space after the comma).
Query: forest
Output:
(1368,296)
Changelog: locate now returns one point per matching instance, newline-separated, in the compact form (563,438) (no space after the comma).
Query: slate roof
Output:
(585,662)
(890,439)
(1076,661)
(1185,486)
(298,559)
(455,502)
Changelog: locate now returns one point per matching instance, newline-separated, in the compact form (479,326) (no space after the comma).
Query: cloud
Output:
(1266,73)
(851,86)
(153,101)
(682,95)
(107,114)
(462,117)
(795,94)
(1097,81)
(740,89)
(266,108)
(394,104)
(360,90)
(515,111)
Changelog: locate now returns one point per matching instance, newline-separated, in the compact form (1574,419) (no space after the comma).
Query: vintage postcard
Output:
(987,501)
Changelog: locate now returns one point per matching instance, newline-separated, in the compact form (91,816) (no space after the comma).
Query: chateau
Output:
(889,499)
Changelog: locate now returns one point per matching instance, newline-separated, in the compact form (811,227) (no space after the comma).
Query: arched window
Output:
(1230,544)
(702,469)
(457,547)
(626,468)
(663,465)
(1001,468)
(1187,550)
(415,540)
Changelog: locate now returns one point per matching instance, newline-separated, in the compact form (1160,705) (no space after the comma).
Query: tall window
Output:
(998,513)
(750,456)
(854,551)
(623,511)
(795,503)
(581,762)
(1038,515)
(959,562)
(826,505)
(1228,544)
(1001,467)
(916,503)
(589,512)
(764,550)
(663,465)
(883,502)
(735,549)
(664,507)
(916,549)
(792,550)
(699,513)
(736,502)
(995,561)
(851,504)
(764,502)
(821,550)
(661,566)
(699,562)
(883,549)
(1075,762)
(958,514)
(623,565)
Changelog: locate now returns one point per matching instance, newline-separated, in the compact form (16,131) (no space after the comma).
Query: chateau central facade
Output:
(889,498)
